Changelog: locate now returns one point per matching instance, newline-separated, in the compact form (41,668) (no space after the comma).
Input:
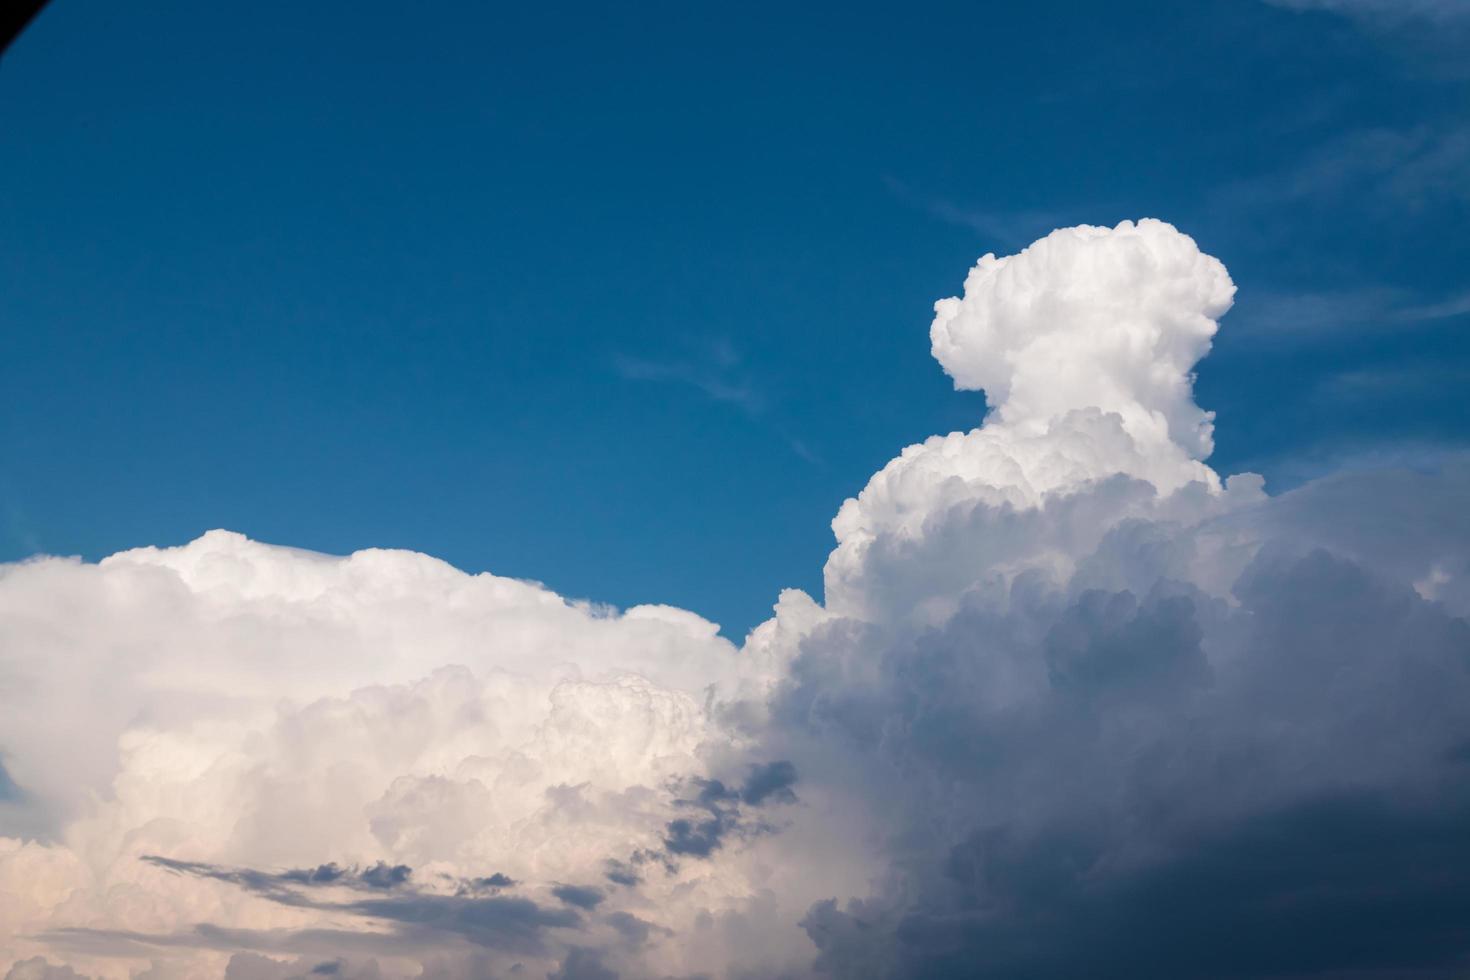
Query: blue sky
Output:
(629,300)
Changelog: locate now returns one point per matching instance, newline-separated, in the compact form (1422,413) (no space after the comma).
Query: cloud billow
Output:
(1071,704)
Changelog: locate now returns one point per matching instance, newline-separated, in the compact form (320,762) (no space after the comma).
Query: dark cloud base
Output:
(1161,784)
(1342,887)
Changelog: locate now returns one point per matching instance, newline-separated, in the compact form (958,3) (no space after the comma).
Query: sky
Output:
(537,289)
(745,495)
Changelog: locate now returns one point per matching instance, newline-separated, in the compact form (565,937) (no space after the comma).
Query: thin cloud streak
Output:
(1393,11)
(1381,168)
(1007,229)
(712,383)
(1328,315)
(717,374)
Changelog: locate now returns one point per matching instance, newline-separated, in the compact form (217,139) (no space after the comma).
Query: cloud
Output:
(491,921)
(1326,316)
(1071,703)
(716,373)
(1137,308)
(1392,172)
(379,876)
(403,922)
(1429,35)
(1103,690)
(1390,382)
(583,964)
(38,968)
(772,781)
(722,814)
(1391,10)
(622,873)
(1450,307)
(1007,228)
(487,883)
(633,929)
(1268,893)
(1084,344)
(249,707)
(581,896)
(1148,788)
(715,369)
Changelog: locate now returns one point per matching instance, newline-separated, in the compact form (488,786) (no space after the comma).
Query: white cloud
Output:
(1067,691)
(234,702)
(1084,344)
(1111,319)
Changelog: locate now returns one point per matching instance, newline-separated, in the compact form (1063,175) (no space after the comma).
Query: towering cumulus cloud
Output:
(1071,705)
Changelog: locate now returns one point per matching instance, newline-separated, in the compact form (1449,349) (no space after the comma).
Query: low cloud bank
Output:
(1071,704)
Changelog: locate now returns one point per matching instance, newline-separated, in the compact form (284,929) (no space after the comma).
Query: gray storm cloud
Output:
(1070,705)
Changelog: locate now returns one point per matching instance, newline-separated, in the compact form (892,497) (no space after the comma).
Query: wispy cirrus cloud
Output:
(716,370)
(1392,10)
(1391,382)
(1408,168)
(1449,307)
(1307,317)
(1429,35)
(999,227)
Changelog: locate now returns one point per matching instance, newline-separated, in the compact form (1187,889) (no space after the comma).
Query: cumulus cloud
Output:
(1071,704)
(1105,319)
(333,722)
